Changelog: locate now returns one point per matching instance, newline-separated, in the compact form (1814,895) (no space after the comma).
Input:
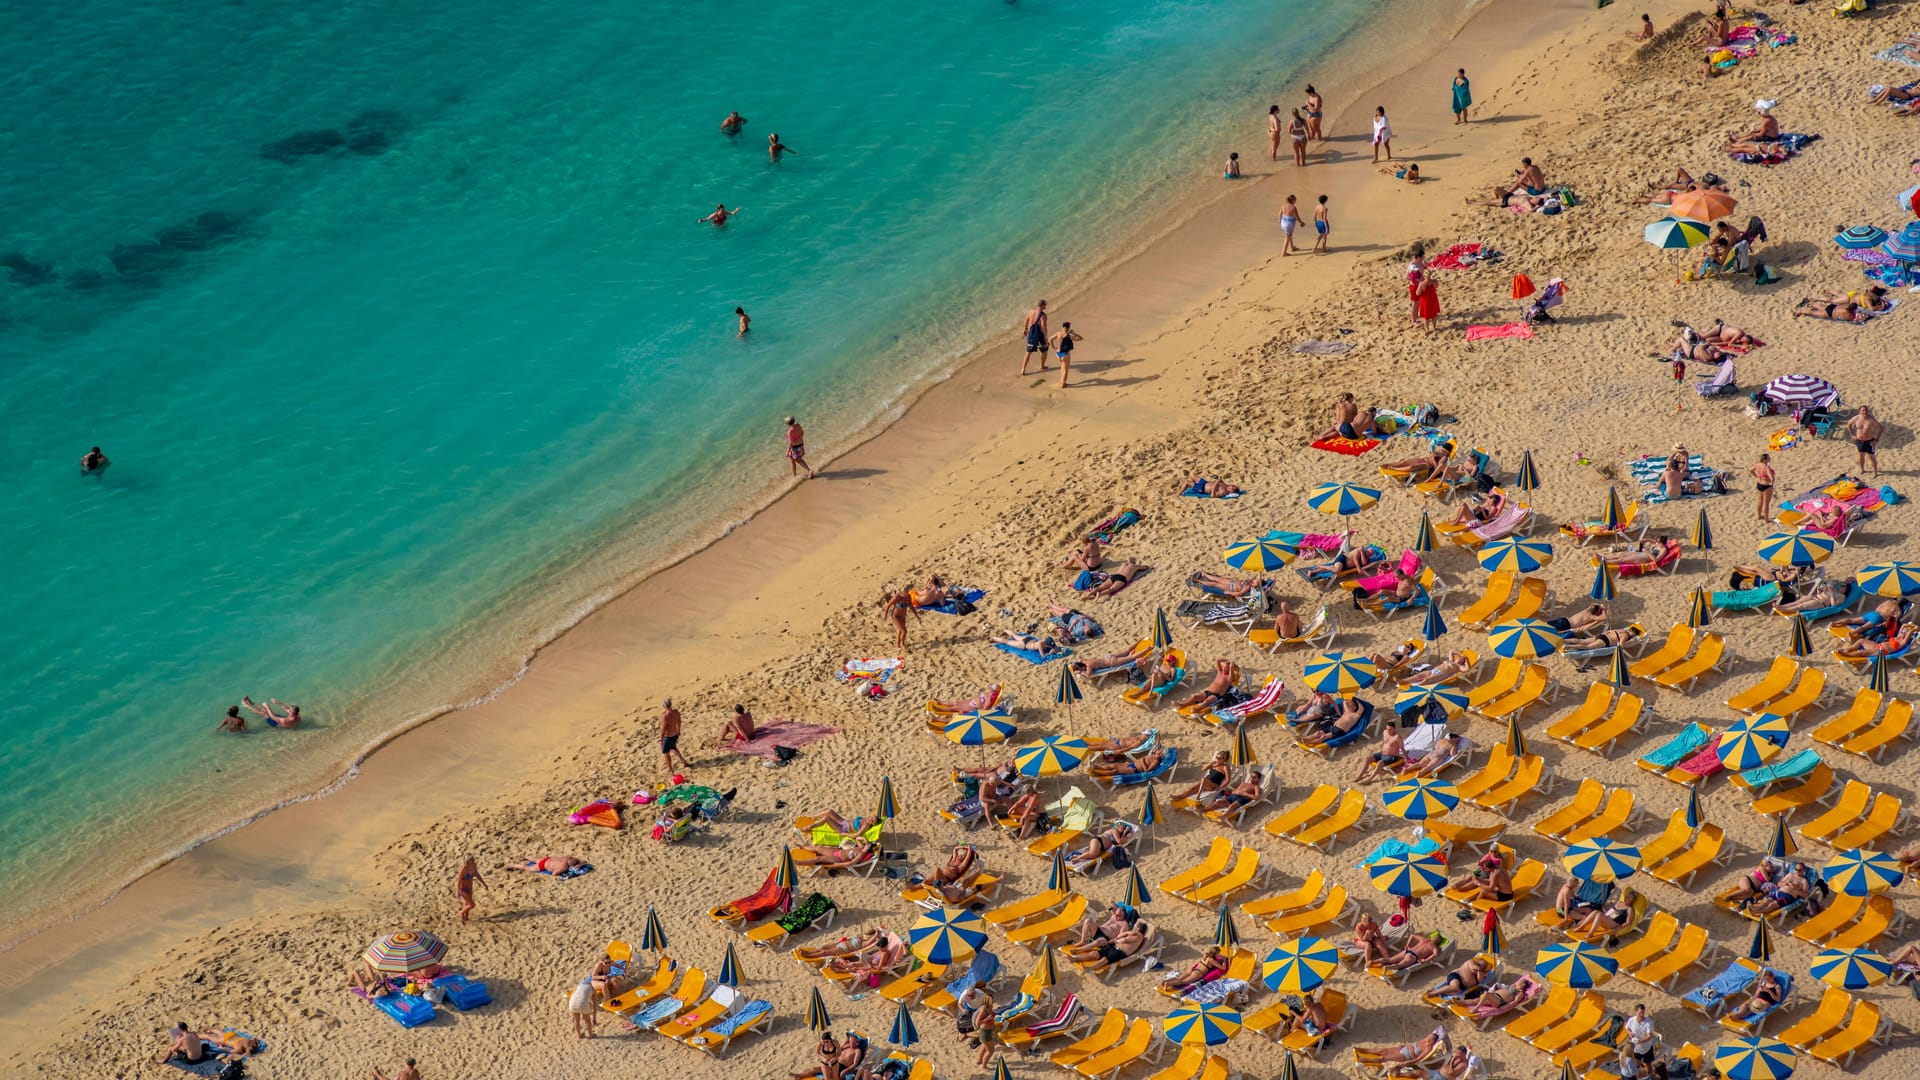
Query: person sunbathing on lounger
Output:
(1481,510)
(1226,674)
(846,826)
(1212,489)
(1093,930)
(876,962)
(1206,969)
(1213,779)
(1489,881)
(847,854)
(1501,997)
(1141,766)
(1586,620)
(1392,660)
(1645,552)
(1381,763)
(1341,566)
(1026,813)
(1424,466)
(1131,658)
(1350,716)
(843,947)
(1854,307)
(1873,623)
(1098,957)
(1605,639)
(1286,624)
(1370,940)
(1099,847)
(1115,750)
(1756,883)
(1611,918)
(1455,666)
(1117,579)
(1091,554)
(1896,640)
(980,702)
(1435,1040)
(1463,980)
(961,867)
(1767,993)
(1310,1020)
(1791,889)
(1226,586)
(1438,756)
(1242,793)
(1319,708)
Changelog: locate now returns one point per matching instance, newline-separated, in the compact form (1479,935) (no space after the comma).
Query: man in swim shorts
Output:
(1864,429)
(670,738)
(1035,330)
(1321,225)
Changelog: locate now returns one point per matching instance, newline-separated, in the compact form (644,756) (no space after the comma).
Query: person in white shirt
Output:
(1642,1041)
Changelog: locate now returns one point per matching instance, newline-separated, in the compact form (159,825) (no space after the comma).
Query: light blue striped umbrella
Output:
(1414,699)
(1201,1025)
(1781,845)
(785,876)
(1225,935)
(1421,798)
(1433,627)
(1890,579)
(1136,894)
(1576,964)
(817,1018)
(1299,966)
(1857,872)
(1050,756)
(1601,859)
(1162,636)
(1423,538)
(1677,234)
(1752,741)
(1702,532)
(1696,813)
(1800,639)
(947,935)
(1515,554)
(1761,947)
(1796,548)
(979,728)
(1859,237)
(1528,478)
(653,937)
(1525,639)
(1259,556)
(1879,676)
(1057,880)
(1602,583)
(1851,969)
(1341,498)
(1341,674)
(903,1033)
(730,967)
(1408,874)
(1754,1057)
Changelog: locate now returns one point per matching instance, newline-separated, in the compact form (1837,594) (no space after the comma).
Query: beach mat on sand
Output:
(1486,333)
(1323,348)
(1349,447)
(570,872)
(1031,656)
(952,607)
(210,1064)
(781,733)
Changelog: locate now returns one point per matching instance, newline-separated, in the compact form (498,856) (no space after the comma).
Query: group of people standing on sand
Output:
(1034,332)
(1302,126)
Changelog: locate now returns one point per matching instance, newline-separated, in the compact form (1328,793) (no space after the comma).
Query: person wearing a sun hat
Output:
(1761,139)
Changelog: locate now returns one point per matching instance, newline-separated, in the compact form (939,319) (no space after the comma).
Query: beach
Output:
(1188,370)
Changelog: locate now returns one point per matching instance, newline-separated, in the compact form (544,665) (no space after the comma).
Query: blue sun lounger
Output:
(1711,996)
(1682,746)
(1746,599)
(1854,593)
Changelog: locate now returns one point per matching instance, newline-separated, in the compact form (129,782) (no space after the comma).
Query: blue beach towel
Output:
(1198,490)
(1393,847)
(1030,656)
(569,872)
(952,607)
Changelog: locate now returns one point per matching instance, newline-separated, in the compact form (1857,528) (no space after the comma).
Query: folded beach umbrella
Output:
(1150,809)
(1226,936)
(1576,964)
(785,876)
(1696,813)
(1408,874)
(1612,516)
(1761,947)
(1421,798)
(1754,1057)
(1781,844)
(1047,967)
(1677,234)
(1860,237)
(1796,548)
(1524,639)
(1800,389)
(1905,244)
(888,807)
(1341,674)
(1288,1070)
(1413,700)
(1618,673)
(1516,738)
(1000,1070)
(1068,690)
(1050,756)
(947,935)
(1335,497)
(1136,894)
(411,950)
(1201,1025)
(1601,859)
(1890,579)
(1699,608)
(1800,640)
(1493,940)
(1057,880)
(903,1033)
(817,1018)
(1515,554)
(1433,626)
(1879,676)
(730,967)
(1162,630)
(1259,556)
(1299,966)
(1702,532)
(1704,205)
(1423,540)
(653,936)
(1528,478)
(1857,872)
(1602,583)
(1850,969)
(1242,746)
(1751,741)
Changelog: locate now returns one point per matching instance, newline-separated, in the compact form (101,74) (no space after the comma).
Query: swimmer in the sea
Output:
(233,722)
(93,463)
(733,123)
(719,216)
(746,322)
(273,719)
(775,147)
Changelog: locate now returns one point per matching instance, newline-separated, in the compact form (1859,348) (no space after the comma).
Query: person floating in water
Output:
(273,719)
(93,463)
(775,147)
(733,123)
(746,321)
(719,216)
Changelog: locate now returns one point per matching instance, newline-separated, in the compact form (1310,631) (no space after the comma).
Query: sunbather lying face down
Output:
(1117,579)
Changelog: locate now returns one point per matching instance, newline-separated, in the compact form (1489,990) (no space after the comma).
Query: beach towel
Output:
(1787,147)
(1198,490)
(869,668)
(952,606)
(1031,656)
(570,872)
(1349,447)
(1115,525)
(210,1064)
(1393,847)
(780,733)
(1316,347)
(1902,53)
(1510,330)
(1463,257)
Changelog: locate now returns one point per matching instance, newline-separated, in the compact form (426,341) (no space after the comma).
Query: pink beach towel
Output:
(1321,541)
(781,733)
(1512,329)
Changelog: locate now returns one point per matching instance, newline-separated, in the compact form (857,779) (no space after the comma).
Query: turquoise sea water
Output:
(397,326)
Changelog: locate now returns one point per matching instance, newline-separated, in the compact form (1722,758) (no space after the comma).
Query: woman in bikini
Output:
(463,884)
(894,606)
(1313,111)
(1489,880)
(1854,307)
(1297,132)
(1500,997)
(1406,1052)
(1456,665)
(1130,658)
(1689,346)
(1117,580)
(1213,779)
(1764,478)
(1091,555)
(844,947)
(1206,969)
(1141,766)
(1099,847)
(1227,586)
(1767,993)
(1610,919)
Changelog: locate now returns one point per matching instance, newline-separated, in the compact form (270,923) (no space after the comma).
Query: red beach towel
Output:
(1452,258)
(1349,447)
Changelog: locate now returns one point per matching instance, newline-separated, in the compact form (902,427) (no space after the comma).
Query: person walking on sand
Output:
(1063,350)
(775,147)
(1462,96)
(463,884)
(1273,133)
(1297,132)
(746,322)
(1035,329)
(1864,429)
(719,216)
(670,738)
(1289,221)
(1764,480)
(1315,108)
(895,606)
(1382,133)
(1321,227)
(797,449)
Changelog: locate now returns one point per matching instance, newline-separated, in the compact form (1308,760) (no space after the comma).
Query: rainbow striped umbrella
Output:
(1242,746)
(411,950)
(1057,880)
(903,1033)
(1048,967)
(1851,969)
(1879,676)
(1796,549)
(1800,641)
(1201,1025)
(1612,517)
(1618,674)
(730,967)
(1754,1057)
(1162,636)
(1288,1070)
(1702,532)
(1259,556)
(1408,874)
(1516,738)
(1601,859)
(1890,579)
(1341,674)
(653,937)
(1136,894)
(1576,964)
(1299,966)
(1857,872)
(1528,479)
(1696,813)
(1225,935)
(979,728)
(1421,798)
(1602,583)
(1781,845)
(947,935)
(1699,609)
(817,1018)
(1433,626)
(1752,741)
(1050,756)
(1515,554)
(1341,498)
(1423,538)
(785,875)
(1761,947)
(1525,639)
(1414,699)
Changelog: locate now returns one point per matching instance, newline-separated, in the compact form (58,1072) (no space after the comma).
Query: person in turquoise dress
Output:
(1462,96)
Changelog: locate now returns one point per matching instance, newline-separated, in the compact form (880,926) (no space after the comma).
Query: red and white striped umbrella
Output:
(408,950)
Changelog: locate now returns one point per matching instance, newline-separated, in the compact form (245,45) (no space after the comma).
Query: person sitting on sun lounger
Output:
(1370,940)
(1349,717)
(1286,624)
(1874,623)
(1481,510)
(1226,674)
(1352,562)
(1578,897)
(1455,666)
(960,869)
(1026,812)
(1224,585)
(1099,956)
(1381,763)
(1099,846)
(1242,793)
(1424,466)
(1897,639)
(1465,981)
(1212,489)
(1116,580)
(1854,307)
(1501,997)
(1489,880)
(1317,709)
(1435,1040)
(1091,554)
(875,961)
(1114,750)
(1609,918)
(1213,779)
(1767,993)
(1206,969)
(980,702)
(1757,882)
(1131,658)
(1140,766)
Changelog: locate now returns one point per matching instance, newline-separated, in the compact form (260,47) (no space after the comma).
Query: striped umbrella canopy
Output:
(1516,738)
(1576,964)
(1068,690)
(1048,967)
(785,875)
(1433,627)
(947,935)
(1702,205)
(1699,608)
(730,967)
(1890,579)
(1602,582)
(1136,894)
(1696,812)
(1800,640)
(1288,1069)
(1796,548)
(1299,966)
(1341,498)
(1528,478)
(1050,756)
(903,1033)
(1201,1025)
(1525,639)
(1754,1057)
(1860,237)
(1057,880)
(1259,556)
(1612,515)
(1162,636)
(1857,872)
(1421,798)
(1781,844)
(1879,676)
(1702,532)
(1851,969)
(1601,859)
(1242,746)
(1414,699)
(1423,538)
(1752,741)
(1000,1070)
(1676,234)
(653,937)
(1761,947)
(1408,874)
(1225,935)
(1800,390)
(1618,674)
(888,807)
(410,950)
(1493,940)
(1515,554)
(979,728)
(817,1018)
(1905,244)
(1340,673)
(1150,809)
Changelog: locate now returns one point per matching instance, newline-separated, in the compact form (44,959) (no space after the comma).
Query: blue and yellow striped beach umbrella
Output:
(1421,798)
(1162,636)
(903,1033)
(1515,555)
(1525,639)
(1136,894)
(1413,700)
(1493,940)
(1890,579)
(1259,556)
(1516,738)
(1067,691)
(1702,532)
(1201,1025)
(1618,673)
(817,1018)
(729,967)
(1050,756)
(1299,966)
(1754,1057)
(1601,859)
(1696,811)
(1760,949)
(1528,478)
(1699,609)
(1879,675)
(1576,964)
(1342,498)
(1602,583)
(979,728)
(1057,880)
(1408,874)
(1288,1069)
(1046,967)
(1150,809)
(1857,872)
(1000,1070)
(1242,746)
(653,936)
(1796,548)
(1423,538)
(1612,517)
(1226,936)
(888,807)
(946,935)
(1432,627)
(1851,969)
(785,875)
(1781,844)
(1799,638)
(1340,674)
(1675,233)
(1752,741)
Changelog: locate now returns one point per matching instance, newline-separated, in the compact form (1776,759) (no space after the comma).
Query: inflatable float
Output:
(598,812)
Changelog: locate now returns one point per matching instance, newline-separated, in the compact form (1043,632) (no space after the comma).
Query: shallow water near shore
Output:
(398,328)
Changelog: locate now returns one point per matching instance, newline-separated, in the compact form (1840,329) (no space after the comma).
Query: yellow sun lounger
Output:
(1856,719)
(1895,726)
(1848,808)
(1530,777)
(1778,680)
(1219,854)
(1038,933)
(1811,789)
(1300,899)
(1866,1027)
(1711,656)
(1679,644)
(1826,1019)
(1296,817)
(1652,941)
(1331,910)
(1617,813)
(1018,912)
(1247,873)
(646,992)
(725,999)
(1320,835)
(1535,686)
(1693,946)
(1881,818)
(1113,1027)
(1586,802)
(1500,593)
(1138,1044)
(1504,680)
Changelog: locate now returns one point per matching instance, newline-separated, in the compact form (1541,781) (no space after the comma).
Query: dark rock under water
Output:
(304,144)
(27,270)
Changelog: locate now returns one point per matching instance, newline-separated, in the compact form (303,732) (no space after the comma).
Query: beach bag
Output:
(233,1070)
(784,754)
(1432,712)
(1120,859)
